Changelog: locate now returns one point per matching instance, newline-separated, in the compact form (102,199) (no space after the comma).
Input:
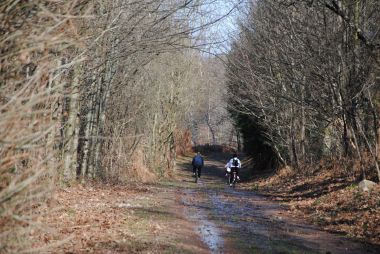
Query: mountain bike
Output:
(196,174)
(232,178)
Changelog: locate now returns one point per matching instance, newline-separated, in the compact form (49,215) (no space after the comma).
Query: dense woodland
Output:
(304,81)
(99,90)
(114,90)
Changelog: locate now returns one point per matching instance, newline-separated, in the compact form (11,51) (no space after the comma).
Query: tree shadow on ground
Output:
(132,245)
(311,190)
(147,211)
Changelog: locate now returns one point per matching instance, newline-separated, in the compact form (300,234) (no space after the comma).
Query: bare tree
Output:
(89,90)
(303,77)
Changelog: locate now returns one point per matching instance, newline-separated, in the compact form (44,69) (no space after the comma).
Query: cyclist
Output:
(197,163)
(234,164)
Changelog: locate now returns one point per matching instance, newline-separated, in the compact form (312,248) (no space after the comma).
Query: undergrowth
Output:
(327,194)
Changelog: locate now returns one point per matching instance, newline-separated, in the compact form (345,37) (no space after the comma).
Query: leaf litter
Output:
(98,218)
(329,198)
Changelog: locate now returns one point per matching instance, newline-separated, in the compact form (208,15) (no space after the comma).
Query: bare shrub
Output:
(32,37)
(182,143)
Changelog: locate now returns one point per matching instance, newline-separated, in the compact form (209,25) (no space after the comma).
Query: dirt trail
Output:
(179,216)
(236,221)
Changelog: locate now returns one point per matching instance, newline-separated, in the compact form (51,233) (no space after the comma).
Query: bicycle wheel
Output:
(230,179)
(234,180)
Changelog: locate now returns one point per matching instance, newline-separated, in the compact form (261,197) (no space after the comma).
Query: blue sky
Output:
(221,33)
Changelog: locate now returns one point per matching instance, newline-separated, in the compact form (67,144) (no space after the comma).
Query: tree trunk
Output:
(94,130)
(376,131)
(303,122)
(238,140)
(71,128)
(86,128)
(293,139)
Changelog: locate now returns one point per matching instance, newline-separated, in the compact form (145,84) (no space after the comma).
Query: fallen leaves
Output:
(327,198)
(116,219)
(92,217)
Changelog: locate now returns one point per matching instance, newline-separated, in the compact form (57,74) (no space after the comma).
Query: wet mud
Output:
(210,233)
(237,221)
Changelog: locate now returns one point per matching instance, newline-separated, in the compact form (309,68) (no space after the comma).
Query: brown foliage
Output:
(183,143)
(100,218)
(327,194)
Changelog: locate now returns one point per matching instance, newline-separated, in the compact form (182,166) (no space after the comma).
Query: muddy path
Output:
(236,221)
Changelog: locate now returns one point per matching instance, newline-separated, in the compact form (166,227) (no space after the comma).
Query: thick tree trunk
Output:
(94,130)
(69,125)
(86,139)
(71,128)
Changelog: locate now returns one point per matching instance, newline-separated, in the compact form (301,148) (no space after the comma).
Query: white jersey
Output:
(230,163)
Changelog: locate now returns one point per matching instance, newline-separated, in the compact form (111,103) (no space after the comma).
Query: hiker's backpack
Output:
(235,163)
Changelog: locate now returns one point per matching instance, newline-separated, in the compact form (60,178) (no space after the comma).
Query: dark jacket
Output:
(197,161)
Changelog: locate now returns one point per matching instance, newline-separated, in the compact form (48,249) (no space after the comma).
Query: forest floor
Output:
(327,196)
(180,216)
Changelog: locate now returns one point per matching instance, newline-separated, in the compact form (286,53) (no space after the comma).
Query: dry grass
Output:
(122,165)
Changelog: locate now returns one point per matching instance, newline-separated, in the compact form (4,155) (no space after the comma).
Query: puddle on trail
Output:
(208,231)
(246,222)
(210,235)
(261,229)
(255,232)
